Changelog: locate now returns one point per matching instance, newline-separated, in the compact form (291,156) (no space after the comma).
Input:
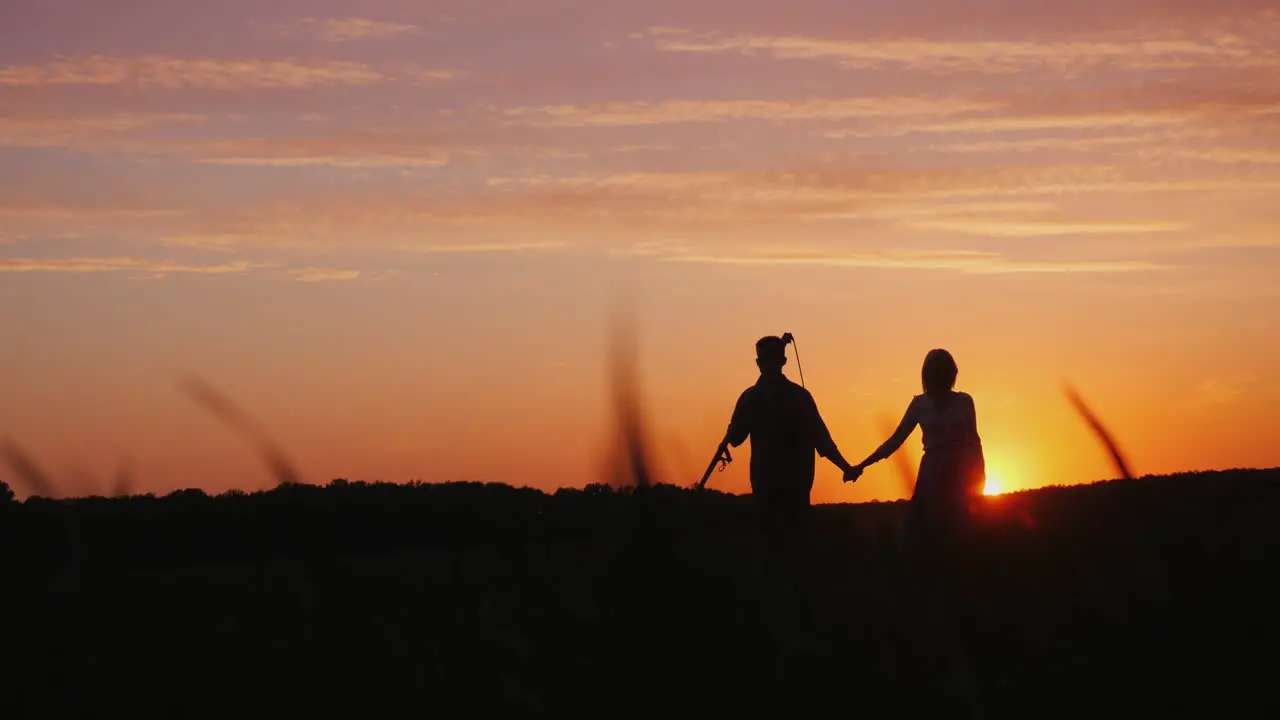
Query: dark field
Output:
(1115,599)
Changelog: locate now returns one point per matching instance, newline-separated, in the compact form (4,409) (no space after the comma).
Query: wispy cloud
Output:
(10,211)
(340,161)
(1050,143)
(1230,155)
(345,29)
(175,73)
(351,149)
(146,268)
(401,225)
(119,264)
(1059,121)
(1127,118)
(492,247)
(543,210)
(1000,57)
(842,188)
(312,275)
(38,219)
(1043,228)
(704,111)
(214,242)
(83,131)
(964,261)
(1261,240)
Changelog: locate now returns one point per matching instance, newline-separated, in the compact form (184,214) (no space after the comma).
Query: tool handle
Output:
(722,458)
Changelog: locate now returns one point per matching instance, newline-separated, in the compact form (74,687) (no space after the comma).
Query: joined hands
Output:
(853,473)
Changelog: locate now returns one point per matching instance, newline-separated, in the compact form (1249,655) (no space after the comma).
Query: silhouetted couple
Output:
(785,428)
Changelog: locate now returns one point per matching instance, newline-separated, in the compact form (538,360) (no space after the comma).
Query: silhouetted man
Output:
(786,429)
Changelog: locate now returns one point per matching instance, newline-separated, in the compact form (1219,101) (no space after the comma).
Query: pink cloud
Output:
(964,261)
(176,73)
(117,264)
(1163,51)
(343,29)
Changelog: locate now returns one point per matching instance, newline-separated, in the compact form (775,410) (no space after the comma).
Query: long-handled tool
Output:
(789,339)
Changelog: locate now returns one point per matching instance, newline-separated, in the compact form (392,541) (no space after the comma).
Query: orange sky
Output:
(395,231)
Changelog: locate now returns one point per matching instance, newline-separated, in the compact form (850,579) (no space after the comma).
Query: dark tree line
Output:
(476,599)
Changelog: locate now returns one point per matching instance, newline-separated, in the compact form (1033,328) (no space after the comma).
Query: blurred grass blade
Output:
(1104,436)
(221,407)
(123,485)
(633,458)
(901,463)
(26,470)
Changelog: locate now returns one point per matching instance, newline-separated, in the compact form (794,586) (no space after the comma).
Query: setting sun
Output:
(995,485)
(1001,472)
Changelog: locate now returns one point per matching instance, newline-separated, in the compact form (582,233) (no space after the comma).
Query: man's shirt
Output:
(785,428)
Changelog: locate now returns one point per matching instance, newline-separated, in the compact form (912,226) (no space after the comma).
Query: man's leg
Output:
(785,525)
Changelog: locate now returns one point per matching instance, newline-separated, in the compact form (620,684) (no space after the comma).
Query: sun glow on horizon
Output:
(1002,473)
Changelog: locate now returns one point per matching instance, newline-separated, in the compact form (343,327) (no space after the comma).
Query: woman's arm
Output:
(890,446)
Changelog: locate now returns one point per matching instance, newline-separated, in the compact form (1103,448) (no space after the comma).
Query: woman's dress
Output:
(953,470)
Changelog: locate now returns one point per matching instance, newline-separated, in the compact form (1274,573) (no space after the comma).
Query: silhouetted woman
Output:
(951,477)
(953,470)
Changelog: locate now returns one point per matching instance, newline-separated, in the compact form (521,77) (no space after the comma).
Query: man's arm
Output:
(735,435)
(740,423)
(823,442)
